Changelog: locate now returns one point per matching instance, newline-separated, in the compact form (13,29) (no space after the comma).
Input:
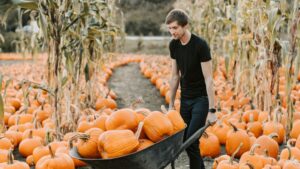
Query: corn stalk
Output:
(77,33)
(258,37)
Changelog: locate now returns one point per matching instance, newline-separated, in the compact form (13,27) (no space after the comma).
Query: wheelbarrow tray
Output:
(157,156)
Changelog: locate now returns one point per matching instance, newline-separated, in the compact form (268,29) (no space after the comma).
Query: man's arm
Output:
(174,82)
(207,73)
(208,76)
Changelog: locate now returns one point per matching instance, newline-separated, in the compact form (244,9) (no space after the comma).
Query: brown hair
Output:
(178,15)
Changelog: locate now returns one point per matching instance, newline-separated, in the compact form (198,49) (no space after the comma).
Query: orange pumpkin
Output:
(55,161)
(230,164)
(268,143)
(87,143)
(209,145)
(115,143)
(122,119)
(5,143)
(27,145)
(251,158)
(175,118)
(234,138)
(157,126)
(274,127)
(11,163)
(143,144)
(219,159)
(291,151)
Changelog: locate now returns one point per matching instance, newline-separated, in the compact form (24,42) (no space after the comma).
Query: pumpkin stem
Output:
(251,104)
(250,165)
(51,152)
(30,134)
(205,135)
(291,142)
(10,157)
(273,135)
(235,129)
(251,117)
(164,109)
(107,94)
(252,150)
(235,152)
(266,153)
(139,130)
(290,152)
(70,144)
(48,137)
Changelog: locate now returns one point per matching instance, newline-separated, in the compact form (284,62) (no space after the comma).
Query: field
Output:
(78,82)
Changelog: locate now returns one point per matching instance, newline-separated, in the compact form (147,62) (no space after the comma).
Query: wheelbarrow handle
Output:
(194,137)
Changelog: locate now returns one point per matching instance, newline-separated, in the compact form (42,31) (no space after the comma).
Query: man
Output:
(192,67)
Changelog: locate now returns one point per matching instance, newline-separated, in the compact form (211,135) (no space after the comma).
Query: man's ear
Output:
(186,26)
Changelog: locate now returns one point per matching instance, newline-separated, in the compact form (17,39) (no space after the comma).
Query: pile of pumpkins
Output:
(102,132)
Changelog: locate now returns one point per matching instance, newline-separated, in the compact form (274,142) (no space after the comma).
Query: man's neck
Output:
(185,38)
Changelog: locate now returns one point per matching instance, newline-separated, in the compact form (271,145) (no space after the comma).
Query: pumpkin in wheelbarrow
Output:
(88,142)
(157,126)
(122,119)
(116,143)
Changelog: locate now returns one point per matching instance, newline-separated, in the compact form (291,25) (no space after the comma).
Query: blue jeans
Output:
(194,113)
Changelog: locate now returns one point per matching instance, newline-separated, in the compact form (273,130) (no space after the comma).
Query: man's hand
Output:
(211,117)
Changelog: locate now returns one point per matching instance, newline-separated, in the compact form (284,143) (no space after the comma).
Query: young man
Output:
(192,67)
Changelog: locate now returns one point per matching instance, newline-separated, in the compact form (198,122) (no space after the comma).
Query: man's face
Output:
(176,30)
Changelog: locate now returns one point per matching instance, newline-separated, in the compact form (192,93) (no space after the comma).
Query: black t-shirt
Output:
(189,58)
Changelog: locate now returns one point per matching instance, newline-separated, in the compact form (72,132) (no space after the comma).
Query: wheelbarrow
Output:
(157,156)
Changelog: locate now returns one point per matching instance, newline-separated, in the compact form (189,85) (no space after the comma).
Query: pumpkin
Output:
(295,130)
(274,127)
(27,145)
(105,103)
(116,143)
(122,119)
(209,145)
(143,144)
(175,118)
(11,163)
(220,129)
(291,150)
(157,126)
(267,160)
(30,160)
(219,159)
(87,145)
(5,143)
(66,150)
(230,164)
(14,136)
(268,143)
(55,161)
(251,158)
(3,155)
(234,138)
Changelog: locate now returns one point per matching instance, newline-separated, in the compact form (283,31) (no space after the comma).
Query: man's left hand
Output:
(211,117)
